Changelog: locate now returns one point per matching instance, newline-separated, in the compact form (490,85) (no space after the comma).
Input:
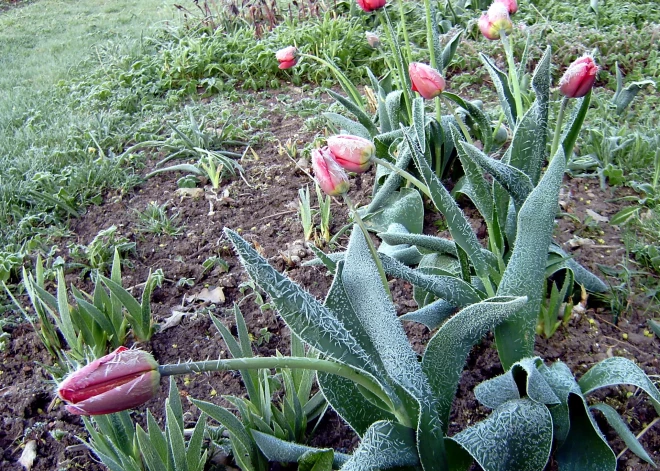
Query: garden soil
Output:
(263,208)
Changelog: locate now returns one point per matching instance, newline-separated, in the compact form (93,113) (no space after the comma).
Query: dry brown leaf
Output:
(214,296)
(29,455)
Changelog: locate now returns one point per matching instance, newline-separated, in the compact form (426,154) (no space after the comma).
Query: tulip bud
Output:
(373,40)
(287,57)
(353,153)
(118,381)
(579,77)
(329,175)
(496,19)
(511,5)
(426,80)
(371,5)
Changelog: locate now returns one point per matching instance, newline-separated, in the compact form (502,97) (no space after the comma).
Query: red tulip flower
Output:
(425,80)
(329,175)
(579,78)
(371,5)
(121,380)
(353,153)
(495,20)
(511,5)
(287,57)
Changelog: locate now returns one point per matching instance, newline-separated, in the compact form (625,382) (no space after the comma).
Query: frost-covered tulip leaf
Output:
(378,317)
(451,288)
(393,106)
(404,207)
(316,460)
(450,49)
(617,423)
(459,227)
(572,128)
(383,194)
(478,116)
(494,392)
(562,382)
(481,191)
(282,451)
(614,371)
(582,276)
(350,402)
(528,146)
(501,82)
(148,451)
(434,264)
(654,326)
(385,445)
(585,447)
(432,315)
(362,117)
(348,125)
(446,352)
(404,253)
(304,314)
(624,97)
(525,272)
(515,181)
(419,122)
(516,436)
(431,243)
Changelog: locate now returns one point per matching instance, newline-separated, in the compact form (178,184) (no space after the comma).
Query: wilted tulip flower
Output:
(495,20)
(426,80)
(329,175)
(371,5)
(353,153)
(579,77)
(118,381)
(287,57)
(511,5)
(372,39)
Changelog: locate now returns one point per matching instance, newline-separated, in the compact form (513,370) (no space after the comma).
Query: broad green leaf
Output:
(582,276)
(175,439)
(197,459)
(617,423)
(476,115)
(149,454)
(625,215)
(450,49)
(572,129)
(393,106)
(287,452)
(447,351)
(432,315)
(382,198)
(362,117)
(320,460)
(419,122)
(481,193)
(350,126)
(525,272)
(385,445)
(617,370)
(431,243)
(501,82)
(304,314)
(563,384)
(516,436)
(190,168)
(158,440)
(459,227)
(404,207)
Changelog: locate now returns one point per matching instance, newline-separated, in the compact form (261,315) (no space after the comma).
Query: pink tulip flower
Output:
(495,20)
(353,153)
(287,57)
(511,5)
(329,175)
(121,380)
(371,5)
(426,80)
(579,78)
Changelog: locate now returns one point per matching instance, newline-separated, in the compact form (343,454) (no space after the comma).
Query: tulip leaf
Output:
(459,227)
(317,460)
(419,122)
(431,243)
(582,276)
(158,440)
(616,422)
(385,445)
(617,370)
(149,453)
(404,207)
(447,350)
(516,436)
(382,198)
(278,450)
(525,272)
(501,82)
(348,125)
(485,134)
(393,106)
(362,117)
(572,129)
(431,315)
(450,49)
(305,315)
(481,192)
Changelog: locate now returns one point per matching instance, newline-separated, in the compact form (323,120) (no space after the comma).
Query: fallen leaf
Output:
(596,217)
(29,455)
(189,192)
(173,320)
(214,296)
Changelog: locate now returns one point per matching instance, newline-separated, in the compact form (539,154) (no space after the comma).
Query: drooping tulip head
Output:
(371,5)
(579,78)
(426,80)
(121,380)
(495,20)
(353,153)
(287,57)
(328,173)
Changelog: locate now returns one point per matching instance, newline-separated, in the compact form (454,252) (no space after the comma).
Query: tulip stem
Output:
(345,83)
(402,14)
(306,363)
(459,121)
(410,178)
(398,59)
(513,74)
(370,243)
(560,119)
